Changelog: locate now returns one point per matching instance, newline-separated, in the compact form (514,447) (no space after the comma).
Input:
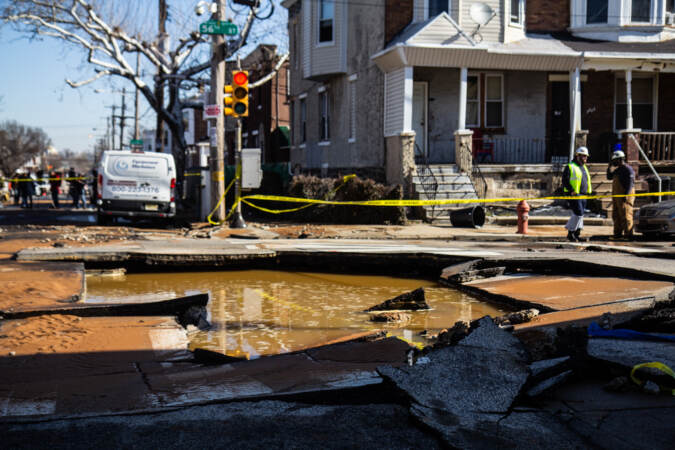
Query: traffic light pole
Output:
(237,219)
(217,149)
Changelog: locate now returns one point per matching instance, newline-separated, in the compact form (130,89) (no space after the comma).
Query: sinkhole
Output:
(255,313)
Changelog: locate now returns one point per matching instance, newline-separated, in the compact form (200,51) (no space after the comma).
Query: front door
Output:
(419,119)
(559,120)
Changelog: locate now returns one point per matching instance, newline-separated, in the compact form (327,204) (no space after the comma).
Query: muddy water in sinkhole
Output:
(257,312)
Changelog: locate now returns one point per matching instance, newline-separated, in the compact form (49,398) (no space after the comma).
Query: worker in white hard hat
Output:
(576,181)
(623,191)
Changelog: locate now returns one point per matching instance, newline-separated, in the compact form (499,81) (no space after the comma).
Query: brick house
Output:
(403,86)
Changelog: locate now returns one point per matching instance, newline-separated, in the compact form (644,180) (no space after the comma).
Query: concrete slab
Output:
(628,353)
(584,316)
(54,365)
(559,292)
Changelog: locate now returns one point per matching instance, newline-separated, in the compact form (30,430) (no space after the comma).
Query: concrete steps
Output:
(442,182)
(603,186)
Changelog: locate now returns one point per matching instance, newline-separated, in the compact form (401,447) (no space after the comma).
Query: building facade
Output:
(393,84)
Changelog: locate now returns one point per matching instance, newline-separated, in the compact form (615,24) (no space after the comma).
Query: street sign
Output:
(211,111)
(218,27)
(137,142)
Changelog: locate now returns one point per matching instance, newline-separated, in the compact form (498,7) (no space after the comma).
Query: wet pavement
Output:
(139,368)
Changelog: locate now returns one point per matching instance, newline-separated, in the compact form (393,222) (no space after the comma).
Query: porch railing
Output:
(658,145)
(510,150)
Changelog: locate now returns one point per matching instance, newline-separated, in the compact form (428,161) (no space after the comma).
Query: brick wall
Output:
(666,111)
(398,14)
(547,15)
(597,113)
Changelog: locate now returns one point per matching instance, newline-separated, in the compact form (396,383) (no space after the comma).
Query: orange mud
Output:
(71,334)
(567,292)
(38,285)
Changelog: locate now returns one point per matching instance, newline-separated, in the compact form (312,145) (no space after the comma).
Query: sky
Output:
(33,90)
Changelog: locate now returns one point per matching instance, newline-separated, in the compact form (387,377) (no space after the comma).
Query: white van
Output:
(136,184)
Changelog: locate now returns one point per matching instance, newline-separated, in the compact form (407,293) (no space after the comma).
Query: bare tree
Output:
(18,144)
(106,32)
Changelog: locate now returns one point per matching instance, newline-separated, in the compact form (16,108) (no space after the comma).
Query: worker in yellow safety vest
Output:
(576,181)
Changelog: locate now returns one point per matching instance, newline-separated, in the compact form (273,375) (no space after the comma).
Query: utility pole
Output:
(217,150)
(159,84)
(112,134)
(137,100)
(122,117)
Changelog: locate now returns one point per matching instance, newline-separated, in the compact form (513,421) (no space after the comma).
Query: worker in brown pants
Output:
(623,183)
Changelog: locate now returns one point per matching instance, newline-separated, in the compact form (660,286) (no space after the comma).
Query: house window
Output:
(485,100)
(437,7)
(670,6)
(596,11)
(303,121)
(326,15)
(472,101)
(324,123)
(494,101)
(640,10)
(517,11)
(352,109)
(642,90)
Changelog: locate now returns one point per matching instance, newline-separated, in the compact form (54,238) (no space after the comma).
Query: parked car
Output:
(657,218)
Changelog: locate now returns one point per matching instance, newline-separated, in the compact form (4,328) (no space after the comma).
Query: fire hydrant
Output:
(523,209)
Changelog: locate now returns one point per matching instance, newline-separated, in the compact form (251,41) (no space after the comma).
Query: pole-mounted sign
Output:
(218,27)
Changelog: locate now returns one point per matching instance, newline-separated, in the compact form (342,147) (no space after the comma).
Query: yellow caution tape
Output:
(278,198)
(15,180)
(222,197)
(654,365)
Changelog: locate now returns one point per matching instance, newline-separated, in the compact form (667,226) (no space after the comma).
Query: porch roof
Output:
(440,42)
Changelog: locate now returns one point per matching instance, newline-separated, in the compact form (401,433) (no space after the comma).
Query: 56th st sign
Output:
(218,27)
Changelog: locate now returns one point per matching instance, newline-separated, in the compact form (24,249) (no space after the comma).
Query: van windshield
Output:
(137,166)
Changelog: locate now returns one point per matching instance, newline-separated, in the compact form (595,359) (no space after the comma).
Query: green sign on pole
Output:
(137,142)
(218,27)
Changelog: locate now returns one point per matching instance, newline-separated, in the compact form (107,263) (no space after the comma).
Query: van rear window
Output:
(137,166)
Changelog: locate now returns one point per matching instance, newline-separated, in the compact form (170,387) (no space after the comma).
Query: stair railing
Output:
(426,176)
(649,163)
(475,175)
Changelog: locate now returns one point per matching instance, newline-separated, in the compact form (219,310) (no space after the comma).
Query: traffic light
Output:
(240,93)
(236,95)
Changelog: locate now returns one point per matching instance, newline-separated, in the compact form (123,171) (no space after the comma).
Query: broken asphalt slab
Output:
(134,365)
(465,392)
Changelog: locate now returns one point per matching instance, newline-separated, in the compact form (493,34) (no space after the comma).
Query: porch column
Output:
(575,107)
(463,141)
(461,122)
(398,127)
(629,100)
